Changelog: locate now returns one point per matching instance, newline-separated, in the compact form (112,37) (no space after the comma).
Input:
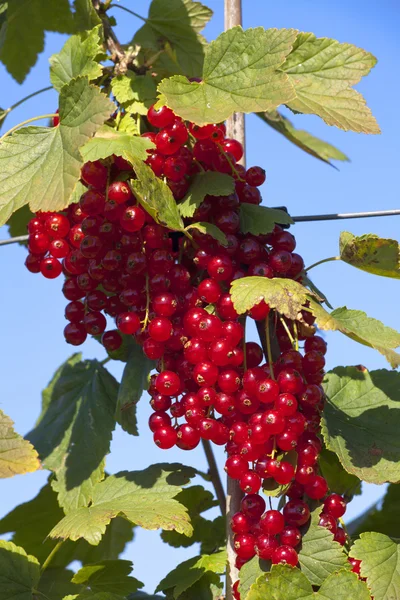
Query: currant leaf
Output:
(241,73)
(134,381)
(77,58)
(203,184)
(337,477)
(381,517)
(250,572)
(109,141)
(56,583)
(371,253)
(146,498)
(19,572)
(192,571)
(85,16)
(17,456)
(74,430)
(380,563)
(323,73)
(108,576)
(210,229)
(136,93)
(292,584)
(36,154)
(260,220)
(18,223)
(302,139)
(155,196)
(361,421)
(177,25)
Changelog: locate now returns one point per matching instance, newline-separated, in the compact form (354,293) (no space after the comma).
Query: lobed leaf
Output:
(18,223)
(146,498)
(177,25)
(302,139)
(250,572)
(19,572)
(203,184)
(287,583)
(78,57)
(85,16)
(133,383)
(108,576)
(56,583)
(210,229)
(337,477)
(371,253)
(323,73)
(361,421)
(109,141)
(240,74)
(380,564)
(136,93)
(74,430)
(260,220)
(17,456)
(155,196)
(41,165)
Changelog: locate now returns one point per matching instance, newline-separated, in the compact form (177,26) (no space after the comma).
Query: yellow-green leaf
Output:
(371,253)
(136,93)
(17,456)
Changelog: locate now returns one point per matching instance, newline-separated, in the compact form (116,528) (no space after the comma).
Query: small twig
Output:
(14,240)
(104,362)
(214,476)
(128,11)
(286,328)
(321,262)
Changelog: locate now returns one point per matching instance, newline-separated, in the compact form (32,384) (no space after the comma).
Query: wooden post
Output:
(235,129)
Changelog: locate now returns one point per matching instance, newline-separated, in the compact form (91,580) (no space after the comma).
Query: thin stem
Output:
(296,336)
(6,112)
(51,556)
(286,328)
(269,350)
(14,240)
(128,11)
(320,262)
(150,61)
(214,475)
(10,131)
(105,360)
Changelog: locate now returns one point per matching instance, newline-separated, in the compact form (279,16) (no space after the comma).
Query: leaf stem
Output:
(8,110)
(269,350)
(214,475)
(296,336)
(105,361)
(10,131)
(146,318)
(51,556)
(128,11)
(286,328)
(14,240)
(320,262)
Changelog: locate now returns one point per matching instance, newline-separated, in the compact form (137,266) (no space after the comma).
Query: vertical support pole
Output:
(235,129)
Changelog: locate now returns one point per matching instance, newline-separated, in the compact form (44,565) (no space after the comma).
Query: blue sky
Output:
(32,308)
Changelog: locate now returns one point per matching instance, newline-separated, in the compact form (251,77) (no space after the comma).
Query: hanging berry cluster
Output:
(172,294)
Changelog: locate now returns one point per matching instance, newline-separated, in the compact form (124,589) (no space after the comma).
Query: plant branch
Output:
(214,475)
(14,240)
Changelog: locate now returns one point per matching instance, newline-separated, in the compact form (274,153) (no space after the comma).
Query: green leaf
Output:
(302,139)
(203,184)
(31,522)
(381,517)
(178,25)
(94,596)
(136,93)
(85,16)
(134,382)
(250,572)
(337,477)
(146,498)
(260,219)
(191,571)
(129,124)
(319,554)
(323,73)
(210,229)
(371,253)
(109,141)
(109,576)
(286,583)
(209,587)
(42,165)
(74,430)
(18,223)
(155,196)
(56,583)
(316,291)
(19,572)
(197,500)
(380,563)
(27,20)
(240,74)
(285,295)
(77,58)
(17,456)
(361,421)
(360,328)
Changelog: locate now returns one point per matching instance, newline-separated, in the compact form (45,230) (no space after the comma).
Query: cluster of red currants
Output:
(172,294)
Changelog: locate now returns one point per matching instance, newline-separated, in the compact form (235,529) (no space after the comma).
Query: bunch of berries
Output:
(172,294)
